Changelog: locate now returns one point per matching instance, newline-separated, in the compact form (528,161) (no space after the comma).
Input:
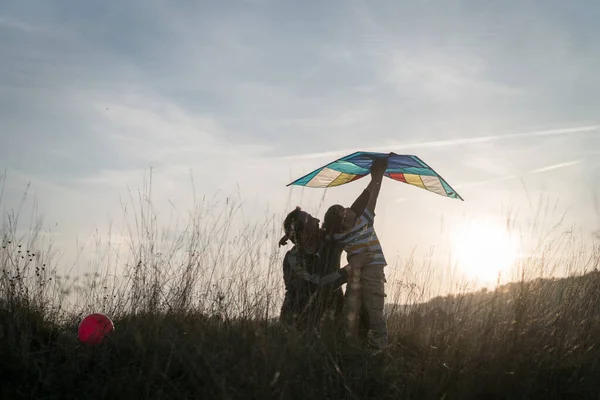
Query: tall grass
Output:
(195,304)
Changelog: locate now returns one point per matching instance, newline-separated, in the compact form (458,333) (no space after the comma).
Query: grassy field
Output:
(177,338)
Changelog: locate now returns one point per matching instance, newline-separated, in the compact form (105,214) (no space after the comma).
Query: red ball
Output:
(94,328)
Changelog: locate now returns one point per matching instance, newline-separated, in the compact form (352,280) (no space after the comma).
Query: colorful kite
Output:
(403,168)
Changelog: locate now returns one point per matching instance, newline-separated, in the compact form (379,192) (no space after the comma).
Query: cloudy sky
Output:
(501,98)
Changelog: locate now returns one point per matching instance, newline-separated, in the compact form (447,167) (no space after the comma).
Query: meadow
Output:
(195,311)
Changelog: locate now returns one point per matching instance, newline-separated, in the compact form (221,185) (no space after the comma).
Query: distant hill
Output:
(571,303)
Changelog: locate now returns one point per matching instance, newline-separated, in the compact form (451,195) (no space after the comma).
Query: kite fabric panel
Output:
(403,168)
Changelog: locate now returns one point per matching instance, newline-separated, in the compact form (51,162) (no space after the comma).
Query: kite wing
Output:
(404,168)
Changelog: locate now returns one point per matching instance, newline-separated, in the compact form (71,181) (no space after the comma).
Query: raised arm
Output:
(377,170)
(361,202)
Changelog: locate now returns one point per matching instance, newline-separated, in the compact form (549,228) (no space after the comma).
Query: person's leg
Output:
(312,311)
(287,314)
(373,297)
(330,307)
(363,326)
(352,306)
(338,313)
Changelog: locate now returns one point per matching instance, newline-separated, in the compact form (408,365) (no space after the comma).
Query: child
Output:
(353,229)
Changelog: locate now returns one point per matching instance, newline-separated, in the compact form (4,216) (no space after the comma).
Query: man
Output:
(311,273)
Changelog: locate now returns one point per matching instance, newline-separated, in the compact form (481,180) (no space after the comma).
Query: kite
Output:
(404,168)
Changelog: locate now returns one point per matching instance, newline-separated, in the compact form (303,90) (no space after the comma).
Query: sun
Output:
(484,251)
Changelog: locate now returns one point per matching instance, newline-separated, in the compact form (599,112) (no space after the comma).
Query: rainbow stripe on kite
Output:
(403,168)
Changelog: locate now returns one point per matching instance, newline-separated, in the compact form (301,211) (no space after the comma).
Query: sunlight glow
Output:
(484,250)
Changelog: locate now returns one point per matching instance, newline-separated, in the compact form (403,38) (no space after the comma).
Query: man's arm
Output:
(377,170)
(335,279)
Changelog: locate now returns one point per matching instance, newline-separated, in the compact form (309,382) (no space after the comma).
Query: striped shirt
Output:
(362,238)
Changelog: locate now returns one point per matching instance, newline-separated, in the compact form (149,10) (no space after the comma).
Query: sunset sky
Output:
(501,98)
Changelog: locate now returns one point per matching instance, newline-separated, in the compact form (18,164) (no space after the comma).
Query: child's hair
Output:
(334,217)
(333,220)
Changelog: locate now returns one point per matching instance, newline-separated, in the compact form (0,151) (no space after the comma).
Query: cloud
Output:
(439,77)
(93,94)
(485,182)
(159,131)
(516,176)
(446,143)
(555,166)
(11,23)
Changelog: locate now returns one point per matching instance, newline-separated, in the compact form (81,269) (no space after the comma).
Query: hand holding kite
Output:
(379,166)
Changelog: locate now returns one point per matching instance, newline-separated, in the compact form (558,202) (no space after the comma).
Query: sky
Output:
(500,98)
